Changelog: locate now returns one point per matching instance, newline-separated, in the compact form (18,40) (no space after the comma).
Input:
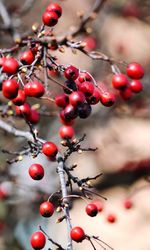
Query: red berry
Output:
(76,98)
(67,123)
(55,7)
(66,132)
(71,73)
(46,209)
(34,116)
(119,81)
(90,43)
(10,89)
(38,240)
(95,98)
(107,99)
(77,234)
(2,60)
(128,204)
(126,93)
(50,18)
(136,86)
(20,98)
(49,149)
(84,77)
(10,66)
(91,209)
(70,112)
(36,171)
(34,89)
(99,205)
(87,88)
(111,218)
(27,57)
(135,70)
(3,193)
(62,100)
(23,110)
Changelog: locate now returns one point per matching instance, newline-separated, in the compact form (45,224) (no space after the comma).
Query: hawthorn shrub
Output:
(28,69)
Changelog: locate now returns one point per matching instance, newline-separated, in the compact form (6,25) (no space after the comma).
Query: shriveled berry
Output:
(46,209)
(36,171)
(77,234)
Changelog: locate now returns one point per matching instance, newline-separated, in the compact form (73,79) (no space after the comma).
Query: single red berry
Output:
(50,18)
(111,218)
(34,89)
(23,110)
(126,93)
(27,57)
(135,86)
(55,7)
(135,70)
(66,132)
(99,205)
(91,209)
(38,240)
(107,99)
(10,66)
(76,98)
(84,110)
(119,81)
(66,123)
(49,149)
(77,234)
(20,98)
(128,204)
(70,112)
(95,98)
(84,77)
(87,88)
(46,209)
(10,89)
(34,116)
(90,43)
(62,100)
(71,73)
(36,171)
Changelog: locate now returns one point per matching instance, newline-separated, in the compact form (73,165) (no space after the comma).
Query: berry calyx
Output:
(27,57)
(49,149)
(91,210)
(77,234)
(10,66)
(55,7)
(34,89)
(38,240)
(10,89)
(50,18)
(46,209)
(66,132)
(36,171)
(135,70)
(119,81)
(20,98)
(71,73)
(135,86)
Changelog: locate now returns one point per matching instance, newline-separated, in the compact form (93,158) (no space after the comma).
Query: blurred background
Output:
(121,133)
